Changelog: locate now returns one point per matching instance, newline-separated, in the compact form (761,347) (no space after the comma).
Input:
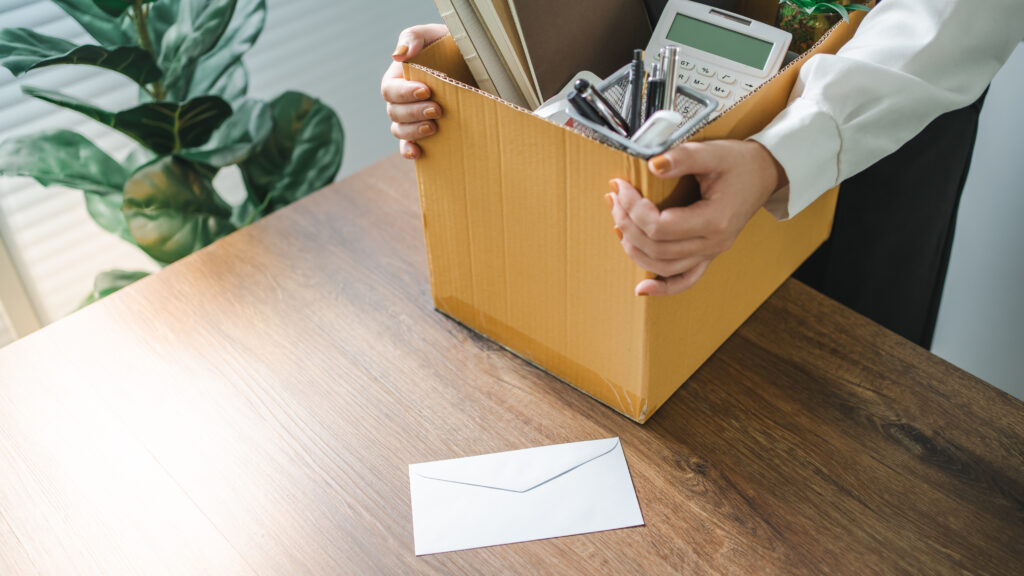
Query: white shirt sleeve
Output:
(909,62)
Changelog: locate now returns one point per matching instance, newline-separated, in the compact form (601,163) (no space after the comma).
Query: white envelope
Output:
(521,495)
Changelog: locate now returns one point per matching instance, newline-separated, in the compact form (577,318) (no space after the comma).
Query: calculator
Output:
(723,55)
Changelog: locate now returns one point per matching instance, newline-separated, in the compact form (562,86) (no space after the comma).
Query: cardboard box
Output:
(521,249)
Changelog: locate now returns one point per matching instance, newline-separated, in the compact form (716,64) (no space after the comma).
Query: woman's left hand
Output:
(736,178)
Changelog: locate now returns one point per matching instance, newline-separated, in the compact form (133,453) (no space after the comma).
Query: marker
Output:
(655,90)
(670,66)
(583,107)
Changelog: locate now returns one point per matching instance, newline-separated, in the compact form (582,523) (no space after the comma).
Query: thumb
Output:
(694,158)
(412,40)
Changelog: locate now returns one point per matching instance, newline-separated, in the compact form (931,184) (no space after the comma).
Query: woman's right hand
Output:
(411,111)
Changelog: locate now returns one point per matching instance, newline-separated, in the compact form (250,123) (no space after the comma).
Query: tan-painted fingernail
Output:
(425,129)
(432,112)
(608,199)
(613,186)
(618,232)
(402,50)
(660,164)
(421,93)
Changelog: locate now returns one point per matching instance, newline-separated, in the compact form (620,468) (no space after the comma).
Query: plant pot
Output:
(805,28)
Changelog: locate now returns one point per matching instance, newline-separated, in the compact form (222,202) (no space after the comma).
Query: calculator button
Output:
(726,78)
(685,64)
(720,91)
(683,77)
(699,83)
(748,86)
(706,70)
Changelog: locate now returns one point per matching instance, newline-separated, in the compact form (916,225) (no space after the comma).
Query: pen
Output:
(669,65)
(655,90)
(636,86)
(608,113)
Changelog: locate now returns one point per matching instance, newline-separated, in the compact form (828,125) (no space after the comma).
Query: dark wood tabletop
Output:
(253,409)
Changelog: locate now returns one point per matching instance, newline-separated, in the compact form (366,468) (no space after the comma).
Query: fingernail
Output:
(618,232)
(402,50)
(425,129)
(613,186)
(609,201)
(660,164)
(421,93)
(432,112)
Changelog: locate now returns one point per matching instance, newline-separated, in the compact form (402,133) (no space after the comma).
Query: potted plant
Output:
(808,20)
(193,119)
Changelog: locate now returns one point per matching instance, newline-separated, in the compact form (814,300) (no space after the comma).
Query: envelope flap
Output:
(517,470)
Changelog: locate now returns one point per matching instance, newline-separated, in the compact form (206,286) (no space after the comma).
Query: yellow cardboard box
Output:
(521,249)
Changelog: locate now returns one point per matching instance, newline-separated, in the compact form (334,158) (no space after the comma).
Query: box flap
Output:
(444,57)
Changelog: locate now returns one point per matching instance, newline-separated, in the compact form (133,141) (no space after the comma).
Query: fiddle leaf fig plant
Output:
(193,119)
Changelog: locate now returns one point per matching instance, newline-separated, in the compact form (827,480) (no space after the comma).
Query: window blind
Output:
(333,50)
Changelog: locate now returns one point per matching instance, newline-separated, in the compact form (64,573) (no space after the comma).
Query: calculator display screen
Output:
(720,41)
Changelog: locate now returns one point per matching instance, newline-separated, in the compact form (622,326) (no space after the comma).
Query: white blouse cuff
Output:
(806,141)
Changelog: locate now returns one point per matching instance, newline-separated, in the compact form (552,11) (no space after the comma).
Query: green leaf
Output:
(198,28)
(106,283)
(106,211)
(137,158)
(827,7)
(110,32)
(301,155)
(164,127)
(861,7)
(239,37)
(162,16)
(245,213)
(172,210)
(116,8)
(71,103)
(22,50)
(236,138)
(167,127)
(232,85)
(62,158)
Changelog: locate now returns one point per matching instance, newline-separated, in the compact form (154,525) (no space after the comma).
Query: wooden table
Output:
(253,410)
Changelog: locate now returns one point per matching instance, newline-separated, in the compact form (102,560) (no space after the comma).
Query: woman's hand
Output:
(412,114)
(736,178)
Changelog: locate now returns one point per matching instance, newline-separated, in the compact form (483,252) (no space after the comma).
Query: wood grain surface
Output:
(253,409)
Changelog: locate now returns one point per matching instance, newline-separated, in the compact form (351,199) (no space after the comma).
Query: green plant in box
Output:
(808,20)
(193,119)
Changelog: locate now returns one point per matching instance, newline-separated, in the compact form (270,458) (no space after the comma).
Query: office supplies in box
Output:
(520,244)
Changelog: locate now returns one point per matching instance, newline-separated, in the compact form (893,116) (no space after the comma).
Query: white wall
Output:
(980,327)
